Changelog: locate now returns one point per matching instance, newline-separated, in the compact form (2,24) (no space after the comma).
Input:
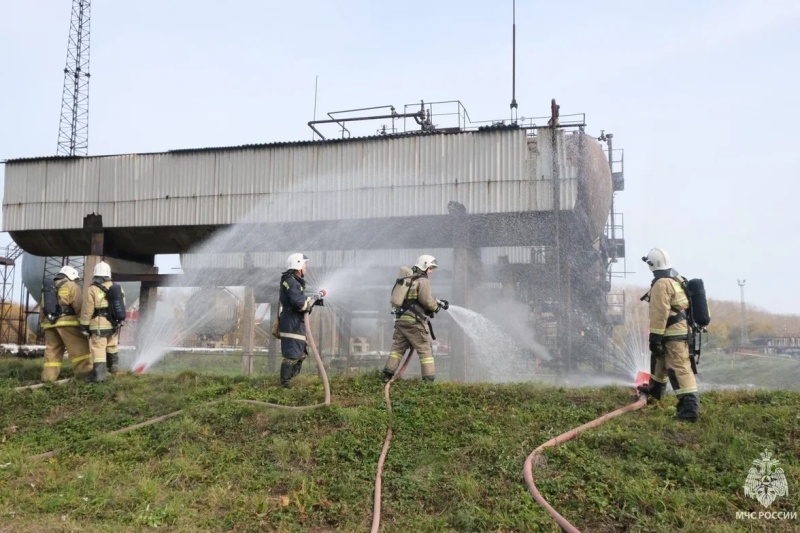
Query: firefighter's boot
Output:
(297,366)
(113,362)
(287,372)
(688,407)
(99,372)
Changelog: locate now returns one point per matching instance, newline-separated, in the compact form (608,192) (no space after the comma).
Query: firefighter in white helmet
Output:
(669,334)
(100,324)
(62,301)
(412,326)
(294,306)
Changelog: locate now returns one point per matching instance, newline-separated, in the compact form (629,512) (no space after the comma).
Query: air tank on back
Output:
(33,273)
(211,313)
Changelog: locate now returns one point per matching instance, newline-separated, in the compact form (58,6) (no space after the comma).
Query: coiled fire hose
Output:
(325,385)
(376,507)
(529,462)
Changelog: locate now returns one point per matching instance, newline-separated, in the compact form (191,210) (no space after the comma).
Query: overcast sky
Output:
(702,95)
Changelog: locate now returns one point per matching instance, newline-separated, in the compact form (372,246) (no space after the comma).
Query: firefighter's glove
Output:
(85,331)
(656,343)
(320,301)
(444,304)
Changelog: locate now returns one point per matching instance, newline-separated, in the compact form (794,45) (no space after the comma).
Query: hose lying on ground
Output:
(325,385)
(40,385)
(528,468)
(376,507)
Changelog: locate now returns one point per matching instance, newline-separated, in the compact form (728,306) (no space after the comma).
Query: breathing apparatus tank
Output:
(401,287)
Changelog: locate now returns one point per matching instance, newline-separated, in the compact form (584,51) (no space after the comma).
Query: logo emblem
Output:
(763,483)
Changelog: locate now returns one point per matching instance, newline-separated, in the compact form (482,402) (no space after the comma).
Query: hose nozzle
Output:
(642,380)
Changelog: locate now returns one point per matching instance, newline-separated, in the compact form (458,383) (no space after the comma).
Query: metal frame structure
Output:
(565,283)
(73,130)
(8,263)
(568,284)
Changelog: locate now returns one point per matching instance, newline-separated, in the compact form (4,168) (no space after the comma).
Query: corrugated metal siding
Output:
(487,172)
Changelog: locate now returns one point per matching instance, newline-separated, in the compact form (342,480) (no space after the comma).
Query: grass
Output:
(455,462)
(759,371)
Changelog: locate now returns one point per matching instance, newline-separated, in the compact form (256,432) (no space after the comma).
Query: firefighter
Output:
(412,325)
(96,324)
(294,306)
(669,337)
(63,333)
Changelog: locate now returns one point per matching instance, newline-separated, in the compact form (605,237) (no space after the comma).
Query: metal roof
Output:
(281,144)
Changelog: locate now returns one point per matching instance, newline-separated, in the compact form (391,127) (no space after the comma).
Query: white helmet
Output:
(296,261)
(69,272)
(657,259)
(102,270)
(424,262)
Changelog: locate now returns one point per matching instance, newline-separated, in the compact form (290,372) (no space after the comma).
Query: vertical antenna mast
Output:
(513,60)
(73,129)
(316,84)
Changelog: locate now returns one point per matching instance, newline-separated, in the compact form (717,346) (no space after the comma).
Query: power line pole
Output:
(743,331)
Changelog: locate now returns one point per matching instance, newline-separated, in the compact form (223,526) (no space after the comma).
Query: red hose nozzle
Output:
(323,293)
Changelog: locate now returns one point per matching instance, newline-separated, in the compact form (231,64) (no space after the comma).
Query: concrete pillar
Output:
(148,297)
(95,256)
(248,322)
(345,328)
(459,345)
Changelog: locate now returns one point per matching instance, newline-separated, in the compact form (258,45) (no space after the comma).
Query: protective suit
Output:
(294,306)
(669,330)
(412,326)
(64,334)
(103,335)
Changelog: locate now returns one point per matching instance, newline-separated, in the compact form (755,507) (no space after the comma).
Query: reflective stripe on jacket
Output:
(96,300)
(69,295)
(419,293)
(667,298)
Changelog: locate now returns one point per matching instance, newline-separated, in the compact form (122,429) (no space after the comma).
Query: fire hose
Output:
(529,462)
(376,508)
(325,385)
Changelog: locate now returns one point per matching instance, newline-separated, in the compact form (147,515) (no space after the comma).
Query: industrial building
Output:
(513,210)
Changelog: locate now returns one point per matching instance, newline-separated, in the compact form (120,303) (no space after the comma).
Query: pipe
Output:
(354,119)
(325,385)
(376,506)
(527,469)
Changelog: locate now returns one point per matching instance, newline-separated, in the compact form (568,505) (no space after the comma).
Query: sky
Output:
(701,95)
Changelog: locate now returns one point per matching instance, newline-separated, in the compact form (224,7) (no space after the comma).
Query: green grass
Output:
(764,371)
(455,463)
